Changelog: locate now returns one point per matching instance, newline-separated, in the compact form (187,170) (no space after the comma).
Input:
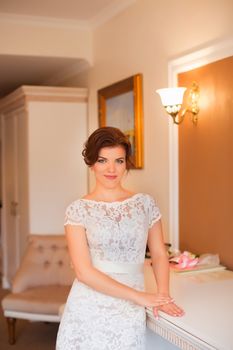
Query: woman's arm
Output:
(89,275)
(160,266)
(159,258)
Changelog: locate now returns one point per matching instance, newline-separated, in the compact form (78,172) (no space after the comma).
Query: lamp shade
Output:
(171,96)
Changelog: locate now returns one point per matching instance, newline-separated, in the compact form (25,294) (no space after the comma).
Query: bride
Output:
(107,231)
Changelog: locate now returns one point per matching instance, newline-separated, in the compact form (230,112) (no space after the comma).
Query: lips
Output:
(110,177)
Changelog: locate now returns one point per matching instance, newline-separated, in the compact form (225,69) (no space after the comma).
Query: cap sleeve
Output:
(154,212)
(74,214)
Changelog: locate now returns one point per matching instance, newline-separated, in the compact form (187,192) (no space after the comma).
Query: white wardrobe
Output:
(43,130)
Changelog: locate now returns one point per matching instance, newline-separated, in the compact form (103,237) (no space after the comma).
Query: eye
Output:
(120,161)
(101,160)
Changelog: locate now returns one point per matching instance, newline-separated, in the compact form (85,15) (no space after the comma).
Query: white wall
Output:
(57,173)
(142,40)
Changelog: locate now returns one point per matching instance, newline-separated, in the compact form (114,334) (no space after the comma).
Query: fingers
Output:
(172,309)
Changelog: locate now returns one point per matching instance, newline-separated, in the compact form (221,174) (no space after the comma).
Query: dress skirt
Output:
(95,321)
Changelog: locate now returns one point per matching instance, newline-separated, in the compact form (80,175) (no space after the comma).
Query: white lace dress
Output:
(117,235)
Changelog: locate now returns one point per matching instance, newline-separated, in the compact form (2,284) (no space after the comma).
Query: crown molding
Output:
(27,93)
(58,91)
(103,16)
(43,21)
(109,12)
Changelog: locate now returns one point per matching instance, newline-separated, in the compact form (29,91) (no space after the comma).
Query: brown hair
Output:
(106,136)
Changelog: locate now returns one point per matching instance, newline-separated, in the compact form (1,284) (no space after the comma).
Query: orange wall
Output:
(206,164)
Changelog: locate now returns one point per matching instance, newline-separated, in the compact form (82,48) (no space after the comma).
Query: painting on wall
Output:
(120,105)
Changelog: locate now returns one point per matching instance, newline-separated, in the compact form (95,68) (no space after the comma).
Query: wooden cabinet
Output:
(43,131)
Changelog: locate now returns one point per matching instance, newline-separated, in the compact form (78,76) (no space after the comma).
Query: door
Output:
(10,219)
(206,164)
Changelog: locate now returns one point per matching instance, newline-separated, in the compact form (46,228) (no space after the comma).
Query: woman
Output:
(107,232)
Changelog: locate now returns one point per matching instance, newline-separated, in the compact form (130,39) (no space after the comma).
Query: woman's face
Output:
(110,166)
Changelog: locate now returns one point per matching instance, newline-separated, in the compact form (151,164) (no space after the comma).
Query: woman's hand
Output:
(170,308)
(152,300)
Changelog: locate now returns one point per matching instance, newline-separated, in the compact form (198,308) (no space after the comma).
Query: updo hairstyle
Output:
(106,136)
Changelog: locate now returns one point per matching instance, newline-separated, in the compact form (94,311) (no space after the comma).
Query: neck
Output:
(109,194)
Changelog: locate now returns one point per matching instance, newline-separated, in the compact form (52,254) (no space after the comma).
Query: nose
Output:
(111,167)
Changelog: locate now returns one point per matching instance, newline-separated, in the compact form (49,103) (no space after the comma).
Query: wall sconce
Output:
(172,99)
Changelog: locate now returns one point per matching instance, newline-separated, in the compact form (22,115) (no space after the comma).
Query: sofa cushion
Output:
(46,262)
(41,300)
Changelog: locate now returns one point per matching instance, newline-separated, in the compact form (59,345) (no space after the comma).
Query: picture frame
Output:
(120,105)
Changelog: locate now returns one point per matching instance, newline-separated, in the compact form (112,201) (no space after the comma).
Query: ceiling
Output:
(23,70)
(27,70)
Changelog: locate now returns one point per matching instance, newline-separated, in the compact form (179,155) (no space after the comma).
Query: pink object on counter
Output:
(185,260)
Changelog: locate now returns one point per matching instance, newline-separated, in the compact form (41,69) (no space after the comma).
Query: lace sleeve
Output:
(74,214)
(154,213)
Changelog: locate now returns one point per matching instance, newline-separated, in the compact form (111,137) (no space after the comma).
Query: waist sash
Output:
(112,267)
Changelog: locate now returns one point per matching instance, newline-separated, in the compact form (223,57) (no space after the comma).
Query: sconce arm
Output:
(179,117)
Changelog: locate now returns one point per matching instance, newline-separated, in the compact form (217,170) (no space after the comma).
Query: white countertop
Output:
(207,298)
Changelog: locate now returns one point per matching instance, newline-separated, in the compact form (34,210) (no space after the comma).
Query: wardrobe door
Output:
(15,194)
(10,227)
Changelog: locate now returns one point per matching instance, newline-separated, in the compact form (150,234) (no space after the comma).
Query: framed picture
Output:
(120,105)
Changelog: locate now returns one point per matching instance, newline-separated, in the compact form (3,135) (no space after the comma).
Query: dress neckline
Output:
(115,202)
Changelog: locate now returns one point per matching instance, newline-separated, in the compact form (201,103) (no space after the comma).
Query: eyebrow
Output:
(107,158)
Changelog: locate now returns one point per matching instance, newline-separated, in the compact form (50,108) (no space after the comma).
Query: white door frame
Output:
(186,63)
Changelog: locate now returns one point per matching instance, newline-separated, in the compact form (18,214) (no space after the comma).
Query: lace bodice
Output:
(116,231)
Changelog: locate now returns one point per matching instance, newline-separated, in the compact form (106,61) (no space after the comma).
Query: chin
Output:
(110,184)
